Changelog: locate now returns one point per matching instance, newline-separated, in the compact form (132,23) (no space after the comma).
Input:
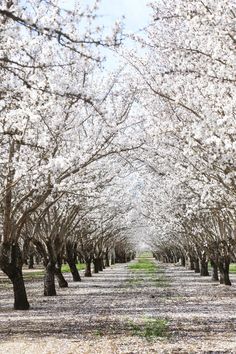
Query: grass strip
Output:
(143,264)
(39,274)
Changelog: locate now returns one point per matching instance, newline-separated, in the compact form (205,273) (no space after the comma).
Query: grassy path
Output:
(139,308)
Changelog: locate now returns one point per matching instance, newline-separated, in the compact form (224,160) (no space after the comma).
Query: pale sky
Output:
(137,16)
(136,12)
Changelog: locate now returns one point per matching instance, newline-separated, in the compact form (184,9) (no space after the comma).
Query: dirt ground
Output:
(94,316)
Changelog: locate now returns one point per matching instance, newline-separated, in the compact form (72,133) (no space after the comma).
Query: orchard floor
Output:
(95,316)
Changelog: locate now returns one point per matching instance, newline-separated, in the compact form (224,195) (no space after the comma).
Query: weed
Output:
(160,282)
(98,333)
(151,328)
(135,281)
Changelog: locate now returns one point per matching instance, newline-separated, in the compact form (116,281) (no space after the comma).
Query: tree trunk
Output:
(31,262)
(11,264)
(214,276)
(112,259)
(107,260)
(96,265)
(60,277)
(100,264)
(196,265)
(183,263)
(103,263)
(204,268)
(88,272)
(71,260)
(49,280)
(20,297)
(74,271)
(120,258)
(191,263)
(128,258)
(224,272)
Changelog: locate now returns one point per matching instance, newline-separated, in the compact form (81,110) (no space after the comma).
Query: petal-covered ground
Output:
(109,313)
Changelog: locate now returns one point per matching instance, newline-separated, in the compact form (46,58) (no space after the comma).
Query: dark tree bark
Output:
(71,260)
(204,268)
(60,277)
(88,272)
(74,271)
(20,297)
(31,262)
(120,259)
(191,263)
(100,264)
(11,264)
(49,279)
(183,263)
(214,275)
(112,258)
(107,260)
(96,265)
(224,272)
(196,265)
(175,259)
(128,258)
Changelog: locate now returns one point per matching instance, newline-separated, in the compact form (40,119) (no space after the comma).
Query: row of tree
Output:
(88,159)
(190,97)
(66,139)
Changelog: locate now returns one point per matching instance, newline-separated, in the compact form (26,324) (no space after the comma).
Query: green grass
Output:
(143,264)
(146,254)
(5,284)
(33,275)
(66,269)
(39,274)
(149,268)
(98,333)
(135,281)
(232,268)
(151,328)
(161,282)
